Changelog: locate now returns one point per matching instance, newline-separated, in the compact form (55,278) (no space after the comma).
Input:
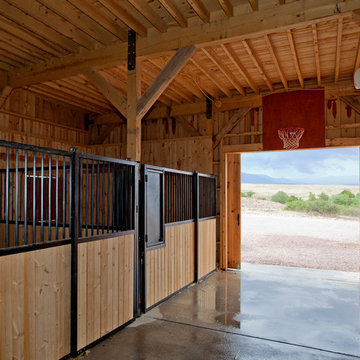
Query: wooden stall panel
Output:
(207,247)
(35,304)
(171,267)
(105,287)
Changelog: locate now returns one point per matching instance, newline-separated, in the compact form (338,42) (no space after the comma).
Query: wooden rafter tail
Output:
(200,9)
(295,57)
(254,4)
(227,7)
(317,54)
(351,101)
(338,49)
(276,62)
(174,12)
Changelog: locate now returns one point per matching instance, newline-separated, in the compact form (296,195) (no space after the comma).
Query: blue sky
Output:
(314,166)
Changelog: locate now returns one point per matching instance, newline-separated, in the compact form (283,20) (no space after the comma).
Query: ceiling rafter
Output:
(102,17)
(276,61)
(200,9)
(227,7)
(281,2)
(28,22)
(125,16)
(257,64)
(80,20)
(357,61)
(254,4)
(211,54)
(211,75)
(174,12)
(295,57)
(317,54)
(338,49)
(145,9)
(237,63)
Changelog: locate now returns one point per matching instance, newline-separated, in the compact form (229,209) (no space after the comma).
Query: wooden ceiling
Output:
(244,47)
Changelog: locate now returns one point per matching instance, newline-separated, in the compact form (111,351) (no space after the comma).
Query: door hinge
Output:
(146,238)
(146,178)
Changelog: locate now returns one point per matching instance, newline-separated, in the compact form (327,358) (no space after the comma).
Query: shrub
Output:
(292,198)
(312,197)
(248,194)
(296,205)
(280,197)
(324,196)
(322,207)
(346,198)
(347,193)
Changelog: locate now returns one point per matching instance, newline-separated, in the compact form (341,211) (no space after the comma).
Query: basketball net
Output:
(291,137)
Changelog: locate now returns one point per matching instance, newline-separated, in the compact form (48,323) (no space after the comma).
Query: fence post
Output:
(136,242)
(74,233)
(196,218)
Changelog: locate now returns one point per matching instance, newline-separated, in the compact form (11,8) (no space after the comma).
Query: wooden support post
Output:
(223,210)
(133,129)
(4,94)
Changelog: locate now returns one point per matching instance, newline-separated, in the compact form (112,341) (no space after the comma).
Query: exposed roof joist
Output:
(214,33)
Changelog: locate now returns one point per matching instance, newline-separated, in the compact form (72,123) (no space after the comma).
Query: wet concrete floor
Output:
(260,312)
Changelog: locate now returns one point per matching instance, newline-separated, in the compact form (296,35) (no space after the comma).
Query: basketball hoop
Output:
(291,137)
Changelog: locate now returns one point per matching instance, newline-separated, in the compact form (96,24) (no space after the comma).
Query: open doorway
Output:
(300,208)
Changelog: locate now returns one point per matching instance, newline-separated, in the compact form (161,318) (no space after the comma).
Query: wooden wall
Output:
(207,247)
(35,304)
(105,286)
(171,267)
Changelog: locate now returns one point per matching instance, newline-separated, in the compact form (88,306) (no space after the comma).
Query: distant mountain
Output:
(265,179)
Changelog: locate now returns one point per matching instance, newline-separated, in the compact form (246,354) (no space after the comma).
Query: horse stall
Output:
(68,250)
(71,227)
(177,231)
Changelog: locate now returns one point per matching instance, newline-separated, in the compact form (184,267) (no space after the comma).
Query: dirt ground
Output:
(273,236)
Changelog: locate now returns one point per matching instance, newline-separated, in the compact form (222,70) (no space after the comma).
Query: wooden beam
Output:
(134,24)
(106,89)
(167,75)
(295,14)
(282,2)
(317,54)
(254,4)
(295,57)
(224,69)
(187,125)
(276,62)
(4,94)
(145,9)
(352,101)
(227,7)
(109,118)
(211,75)
(133,128)
(338,49)
(235,118)
(200,9)
(257,64)
(105,133)
(236,61)
(174,12)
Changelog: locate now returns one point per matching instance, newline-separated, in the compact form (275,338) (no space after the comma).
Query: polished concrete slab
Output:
(260,312)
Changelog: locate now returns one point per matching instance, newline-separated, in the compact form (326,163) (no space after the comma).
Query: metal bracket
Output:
(209,105)
(131,50)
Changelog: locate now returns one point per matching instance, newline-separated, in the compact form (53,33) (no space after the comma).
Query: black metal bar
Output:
(16,197)
(7,200)
(131,50)
(64,198)
(87,196)
(20,193)
(72,175)
(34,199)
(74,222)
(49,200)
(113,198)
(105,158)
(103,198)
(92,197)
(142,242)
(97,196)
(42,199)
(25,196)
(12,197)
(57,198)
(135,197)
(196,217)
(108,199)
(80,195)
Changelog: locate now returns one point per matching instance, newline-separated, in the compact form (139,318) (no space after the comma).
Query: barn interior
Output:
(106,99)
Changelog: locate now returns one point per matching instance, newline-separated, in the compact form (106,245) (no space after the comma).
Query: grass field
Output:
(300,191)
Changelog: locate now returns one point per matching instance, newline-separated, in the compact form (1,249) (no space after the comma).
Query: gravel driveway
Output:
(283,238)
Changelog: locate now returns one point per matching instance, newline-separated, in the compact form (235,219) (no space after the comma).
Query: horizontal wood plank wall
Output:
(105,286)
(207,247)
(35,304)
(171,267)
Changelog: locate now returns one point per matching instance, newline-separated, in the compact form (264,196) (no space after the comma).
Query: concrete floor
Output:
(262,312)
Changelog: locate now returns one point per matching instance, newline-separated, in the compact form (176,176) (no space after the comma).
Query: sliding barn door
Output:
(233,210)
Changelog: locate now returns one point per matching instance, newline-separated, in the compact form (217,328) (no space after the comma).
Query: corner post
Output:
(196,218)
